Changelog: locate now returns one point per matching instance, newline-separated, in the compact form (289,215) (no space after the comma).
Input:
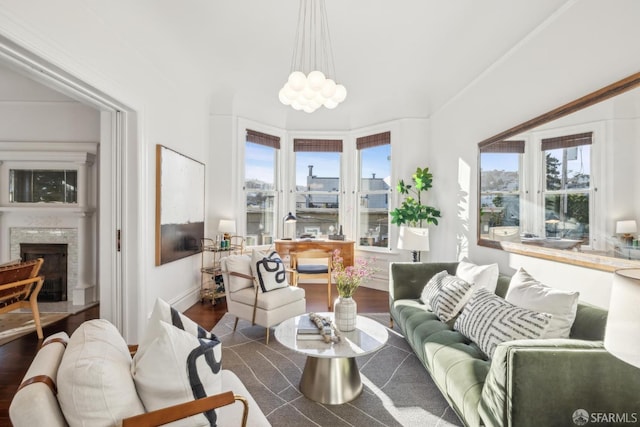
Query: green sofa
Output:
(542,382)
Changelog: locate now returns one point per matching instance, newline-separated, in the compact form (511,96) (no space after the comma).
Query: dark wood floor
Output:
(15,356)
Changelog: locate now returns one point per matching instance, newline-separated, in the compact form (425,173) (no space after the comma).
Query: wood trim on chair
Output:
(187,409)
(47,380)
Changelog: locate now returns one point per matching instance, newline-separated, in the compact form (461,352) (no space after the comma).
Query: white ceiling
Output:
(403,58)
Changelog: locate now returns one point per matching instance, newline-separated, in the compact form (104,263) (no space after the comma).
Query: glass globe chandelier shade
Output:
(308,91)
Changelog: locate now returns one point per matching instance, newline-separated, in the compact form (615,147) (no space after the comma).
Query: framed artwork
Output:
(179,205)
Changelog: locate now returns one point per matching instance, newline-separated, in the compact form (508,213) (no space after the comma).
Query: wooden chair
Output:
(302,268)
(19,288)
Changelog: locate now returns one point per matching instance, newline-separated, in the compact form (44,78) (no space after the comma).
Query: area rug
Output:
(397,389)
(15,325)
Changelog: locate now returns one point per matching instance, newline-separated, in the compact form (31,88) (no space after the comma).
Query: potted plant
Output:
(412,214)
(347,281)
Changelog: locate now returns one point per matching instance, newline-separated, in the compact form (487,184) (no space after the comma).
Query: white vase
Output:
(345,311)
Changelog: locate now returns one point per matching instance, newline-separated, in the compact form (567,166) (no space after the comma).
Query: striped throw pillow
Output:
(432,288)
(452,297)
(489,320)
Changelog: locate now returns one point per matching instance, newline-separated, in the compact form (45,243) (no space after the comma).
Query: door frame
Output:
(116,203)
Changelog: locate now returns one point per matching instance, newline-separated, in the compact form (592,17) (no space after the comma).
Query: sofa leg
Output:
(235,324)
(267,336)
(390,322)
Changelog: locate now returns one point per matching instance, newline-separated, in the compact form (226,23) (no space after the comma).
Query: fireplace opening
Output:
(54,268)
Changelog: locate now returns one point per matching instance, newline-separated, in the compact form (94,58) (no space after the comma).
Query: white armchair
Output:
(246,300)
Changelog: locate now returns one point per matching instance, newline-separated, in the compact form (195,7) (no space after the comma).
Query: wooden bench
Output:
(19,288)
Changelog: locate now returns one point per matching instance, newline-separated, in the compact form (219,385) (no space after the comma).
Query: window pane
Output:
(374,222)
(567,216)
(568,168)
(499,197)
(499,172)
(260,218)
(375,176)
(43,186)
(259,166)
(317,171)
(260,178)
(375,168)
(317,193)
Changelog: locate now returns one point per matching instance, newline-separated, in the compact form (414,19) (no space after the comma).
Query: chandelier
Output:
(310,84)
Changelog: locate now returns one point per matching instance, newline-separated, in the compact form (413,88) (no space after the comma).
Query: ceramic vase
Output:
(345,311)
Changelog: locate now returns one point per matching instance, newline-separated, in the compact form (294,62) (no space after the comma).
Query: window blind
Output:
(318,145)
(263,139)
(376,140)
(504,147)
(567,141)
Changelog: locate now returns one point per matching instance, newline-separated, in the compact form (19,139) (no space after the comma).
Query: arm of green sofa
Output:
(407,279)
(544,383)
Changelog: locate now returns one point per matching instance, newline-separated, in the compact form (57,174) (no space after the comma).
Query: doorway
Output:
(117,126)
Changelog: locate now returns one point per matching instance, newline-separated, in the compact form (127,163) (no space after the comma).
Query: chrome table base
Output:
(331,381)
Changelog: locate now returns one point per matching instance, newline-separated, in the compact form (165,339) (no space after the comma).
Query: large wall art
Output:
(179,205)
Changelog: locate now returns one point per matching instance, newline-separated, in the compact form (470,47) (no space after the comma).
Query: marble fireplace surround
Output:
(79,292)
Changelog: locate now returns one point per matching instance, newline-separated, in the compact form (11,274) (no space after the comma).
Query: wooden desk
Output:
(285,247)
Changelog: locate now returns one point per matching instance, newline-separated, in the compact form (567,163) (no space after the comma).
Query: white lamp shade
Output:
(413,239)
(626,227)
(623,321)
(227,226)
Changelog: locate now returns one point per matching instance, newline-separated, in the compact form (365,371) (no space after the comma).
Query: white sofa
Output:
(101,391)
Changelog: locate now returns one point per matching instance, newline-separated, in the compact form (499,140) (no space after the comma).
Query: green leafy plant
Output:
(412,212)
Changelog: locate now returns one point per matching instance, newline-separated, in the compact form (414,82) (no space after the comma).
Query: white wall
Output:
(574,55)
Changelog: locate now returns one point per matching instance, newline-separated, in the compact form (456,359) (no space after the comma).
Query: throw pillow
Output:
(432,288)
(489,320)
(177,367)
(239,264)
(270,270)
(525,291)
(453,295)
(485,276)
(162,311)
(95,387)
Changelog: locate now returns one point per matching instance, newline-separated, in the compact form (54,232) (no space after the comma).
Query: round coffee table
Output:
(330,374)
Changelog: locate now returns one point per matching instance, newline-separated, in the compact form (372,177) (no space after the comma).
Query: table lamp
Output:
(414,239)
(287,219)
(226,227)
(623,321)
(627,228)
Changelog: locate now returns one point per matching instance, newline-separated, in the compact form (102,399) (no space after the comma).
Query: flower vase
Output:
(345,310)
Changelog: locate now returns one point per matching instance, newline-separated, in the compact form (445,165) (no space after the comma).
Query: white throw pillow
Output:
(489,320)
(432,288)
(452,297)
(162,311)
(270,270)
(239,264)
(177,367)
(525,291)
(95,387)
(485,276)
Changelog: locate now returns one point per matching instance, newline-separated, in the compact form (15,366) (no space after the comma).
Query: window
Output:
(500,190)
(374,153)
(567,186)
(43,186)
(317,177)
(260,165)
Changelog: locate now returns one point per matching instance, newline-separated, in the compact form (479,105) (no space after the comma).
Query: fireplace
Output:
(54,268)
